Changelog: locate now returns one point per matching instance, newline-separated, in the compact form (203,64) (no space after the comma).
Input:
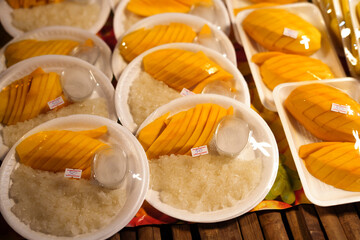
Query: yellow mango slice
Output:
(260,58)
(4,99)
(183,69)
(57,150)
(205,32)
(252,6)
(150,132)
(12,98)
(310,105)
(304,38)
(295,68)
(155,149)
(147,8)
(24,49)
(198,129)
(338,168)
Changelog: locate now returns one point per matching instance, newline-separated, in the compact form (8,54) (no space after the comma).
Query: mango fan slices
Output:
(326,112)
(335,163)
(184,69)
(18,51)
(147,8)
(183,131)
(27,97)
(279,30)
(137,42)
(60,149)
(277,68)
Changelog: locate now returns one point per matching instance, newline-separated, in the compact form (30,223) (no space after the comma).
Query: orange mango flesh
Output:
(27,97)
(147,8)
(56,150)
(335,163)
(266,26)
(137,42)
(24,49)
(183,131)
(277,68)
(184,69)
(311,105)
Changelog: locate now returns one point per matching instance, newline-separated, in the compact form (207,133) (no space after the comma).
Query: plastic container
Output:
(103,87)
(217,15)
(136,185)
(315,190)
(326,53)
(71,33)
(133,70)
(261,135)
(6,18)
(222,43)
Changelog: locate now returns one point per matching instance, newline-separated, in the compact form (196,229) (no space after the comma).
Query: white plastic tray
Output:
(6,18)
(56,63)
(261,132)
(218,16)
(225,47)
(65,32)
(116,134)
(133,70)
(326,54)
(315,190)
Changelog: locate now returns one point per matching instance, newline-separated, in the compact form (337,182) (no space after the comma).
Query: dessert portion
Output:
(190,182)
(23,49)
(326,112)
(54,172)
(280,30)
(147,8)
(276,68)
(335,163)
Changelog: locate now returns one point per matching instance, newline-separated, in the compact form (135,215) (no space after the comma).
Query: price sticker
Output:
(339,108)
(72,173)
(56,102)
(186,92)
(198,151)
(290,33)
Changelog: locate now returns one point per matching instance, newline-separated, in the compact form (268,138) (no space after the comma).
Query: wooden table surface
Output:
(300,222)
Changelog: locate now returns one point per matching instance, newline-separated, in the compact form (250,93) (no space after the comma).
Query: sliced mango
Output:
(289,32)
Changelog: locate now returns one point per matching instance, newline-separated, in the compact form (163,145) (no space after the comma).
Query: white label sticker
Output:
(186,92)
(56,102)
(339,108)
(290,33)
(198,151)
(72,173)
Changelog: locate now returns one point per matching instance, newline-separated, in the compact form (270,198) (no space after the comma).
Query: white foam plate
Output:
(6,18)
(65,32)
(136,188)
(57,63)
(224,45)
(133,70)
(326,54)
(217,15)
(261,132)
(315,190)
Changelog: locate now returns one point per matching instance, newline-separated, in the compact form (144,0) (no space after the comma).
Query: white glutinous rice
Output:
(63,13)
(96,106)
(50,203)
(146,95)
(204,183)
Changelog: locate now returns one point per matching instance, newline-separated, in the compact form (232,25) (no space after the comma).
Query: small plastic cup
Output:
(231,136)
(221,88)
(77,83)
(110,167)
